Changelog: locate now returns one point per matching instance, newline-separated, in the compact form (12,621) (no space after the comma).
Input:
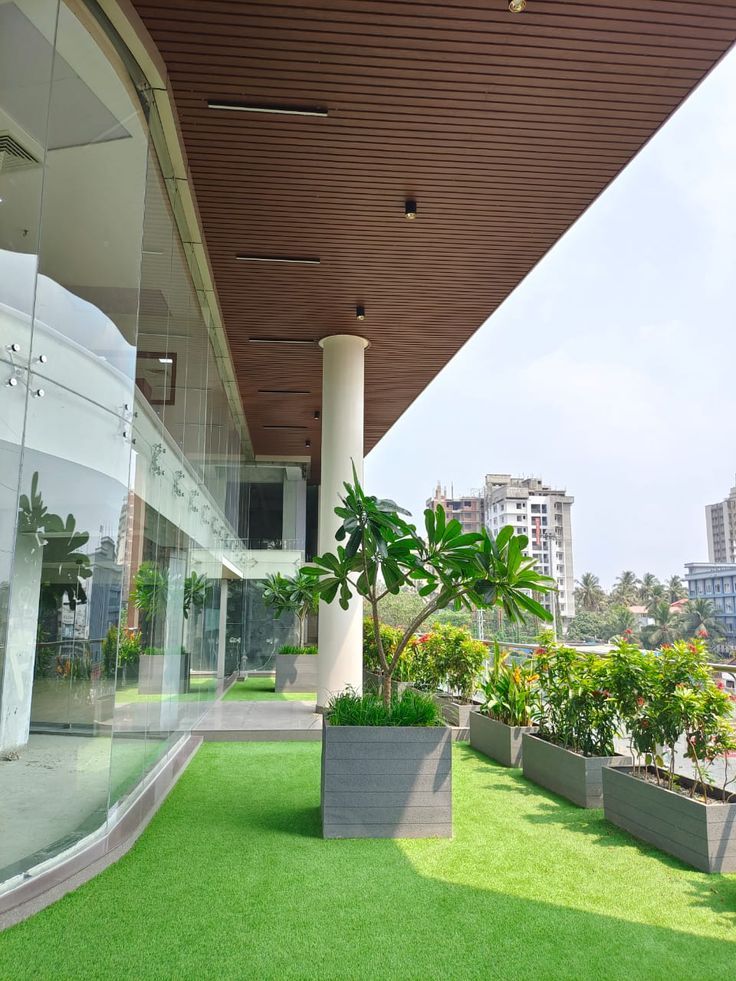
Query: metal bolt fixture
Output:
(42,358)
(12,382)
(14,348)
(39,393)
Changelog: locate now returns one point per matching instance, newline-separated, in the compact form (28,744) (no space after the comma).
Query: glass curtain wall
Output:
(119,455)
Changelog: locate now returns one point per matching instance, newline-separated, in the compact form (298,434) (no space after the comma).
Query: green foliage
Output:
(408,709)
(399,609)
(296,649)
(589,594)
(150,591)
(511,691)
(587,626)
(667,695)
(196,593)
(454,659)
(390,637)
(291,594)
(578,711)
(699,620)
(121,646)
(382,554)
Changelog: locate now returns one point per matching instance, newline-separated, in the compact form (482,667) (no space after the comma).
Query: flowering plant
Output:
(511,691)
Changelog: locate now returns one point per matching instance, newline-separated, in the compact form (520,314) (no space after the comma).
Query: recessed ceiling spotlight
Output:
(316,413)
(307,442)
(278,109)
(360,312)
(410,209)
(287,426)
(517,6)
(302,259)
(166,360)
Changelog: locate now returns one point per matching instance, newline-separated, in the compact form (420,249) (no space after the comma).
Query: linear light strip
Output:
(277,110)
(282,391)
(280,340)
(304,259)
(284,427)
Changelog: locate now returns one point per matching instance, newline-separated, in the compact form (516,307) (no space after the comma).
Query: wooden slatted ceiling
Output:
(503,127)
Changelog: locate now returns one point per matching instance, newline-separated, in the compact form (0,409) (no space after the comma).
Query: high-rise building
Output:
(720,520)
(716,582)
(541,513)
(468,510)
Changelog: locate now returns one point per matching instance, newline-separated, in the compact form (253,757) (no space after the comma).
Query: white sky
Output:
(611,370)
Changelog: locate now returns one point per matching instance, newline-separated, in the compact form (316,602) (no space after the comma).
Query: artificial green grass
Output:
(232,881)
(263,690)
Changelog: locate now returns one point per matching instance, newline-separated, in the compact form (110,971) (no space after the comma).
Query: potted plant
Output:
(386,763)
(296,666)
(455,661)
(150,595)
(578,722)
(666,698)
(511,704)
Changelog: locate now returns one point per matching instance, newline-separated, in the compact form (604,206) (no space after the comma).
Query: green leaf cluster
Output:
(370,709)
(511,691)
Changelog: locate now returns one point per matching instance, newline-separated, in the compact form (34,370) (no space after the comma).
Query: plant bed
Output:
(151,674)
(454,713)
(571,775)
(386,781)
(702,835)
(296,672)
(497,740)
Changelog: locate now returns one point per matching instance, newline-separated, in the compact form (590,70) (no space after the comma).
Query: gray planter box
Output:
(497,740)
(372,682)
(386,782)
(702,835)
(296,672)
(571,775)
(454,713)
(151,674)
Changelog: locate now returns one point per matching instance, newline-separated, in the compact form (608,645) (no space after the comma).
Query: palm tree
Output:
(666,627)
(625,588)
(699,620)
(589,594)
(676,589)
(648,582)
(619,620)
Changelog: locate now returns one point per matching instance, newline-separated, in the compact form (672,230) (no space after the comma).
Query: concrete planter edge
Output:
(296,672)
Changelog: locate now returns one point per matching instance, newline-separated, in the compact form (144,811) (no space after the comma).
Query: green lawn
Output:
(232,881)
(262,690)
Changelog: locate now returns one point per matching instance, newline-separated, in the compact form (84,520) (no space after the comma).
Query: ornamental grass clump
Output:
(670,695)
(408,709)
(511,691)
(295,649)
(578,710)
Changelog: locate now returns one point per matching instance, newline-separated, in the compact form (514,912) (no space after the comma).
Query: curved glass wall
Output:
(124,506)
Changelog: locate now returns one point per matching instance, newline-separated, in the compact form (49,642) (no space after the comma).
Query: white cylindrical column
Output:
(340,631)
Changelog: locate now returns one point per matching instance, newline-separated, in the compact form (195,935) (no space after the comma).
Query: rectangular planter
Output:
(571,775)
(497,740)
(702,835)
(296,672)
(151,674)
(454,713)
(386,782)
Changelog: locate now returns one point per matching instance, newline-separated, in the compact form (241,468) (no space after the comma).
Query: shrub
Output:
(578,710)
(454,659)
(408,709)
(511,691)
(390,637)
(295,649)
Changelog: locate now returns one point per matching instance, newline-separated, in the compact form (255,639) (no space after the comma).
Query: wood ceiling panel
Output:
(503,127)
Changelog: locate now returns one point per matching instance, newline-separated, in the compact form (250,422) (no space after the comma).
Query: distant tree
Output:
(658,593)
(618,620)
(586,626)
(676,589)
(648,583)
(699,620)
(589,594)
(626,588)
(666,627)
(399,609)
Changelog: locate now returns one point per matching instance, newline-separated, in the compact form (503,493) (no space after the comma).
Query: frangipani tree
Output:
(292,594)
(383,552)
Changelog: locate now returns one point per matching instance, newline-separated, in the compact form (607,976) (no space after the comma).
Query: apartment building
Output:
(541,513)
(716,582)
(720,520)
(468,510)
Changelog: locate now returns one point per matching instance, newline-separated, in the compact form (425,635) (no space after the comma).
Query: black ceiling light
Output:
(410,209)
(360,312)
(307,442)
(316,413)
